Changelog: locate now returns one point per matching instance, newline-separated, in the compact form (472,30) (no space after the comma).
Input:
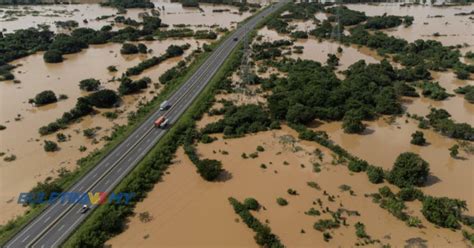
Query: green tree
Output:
(89,84)
(174,51)
(209,169)
(417,138)
(142,48)
(409,170)
(352,122)
(50,146)
(45,97)
(375,174)
(454,151)
(53,56)
(443,211)
(282,201)
(251,204)
(103,98)
(357,165)
(128,48)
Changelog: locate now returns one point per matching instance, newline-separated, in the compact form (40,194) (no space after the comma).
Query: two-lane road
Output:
(58,221)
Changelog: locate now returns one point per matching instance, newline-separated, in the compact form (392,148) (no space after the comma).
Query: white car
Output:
(84,209)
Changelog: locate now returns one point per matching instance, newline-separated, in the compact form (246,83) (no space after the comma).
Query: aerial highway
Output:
(58,220)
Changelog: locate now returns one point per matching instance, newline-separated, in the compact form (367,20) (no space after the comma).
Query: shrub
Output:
(417,138)
(128,48)
(357,165)
(60,137)
(50,146)
(375,174)
(251,204)
(260,148)
(110,115)
(281,201)
(360,230)
(112,68)
(89,84)
(443,211)
(352,122)
(410,194)
(209,169)
(454,151)
(53,56)
(174,51)
(323,225)
(409,170)
(142,48)
(103,98)
(45,97)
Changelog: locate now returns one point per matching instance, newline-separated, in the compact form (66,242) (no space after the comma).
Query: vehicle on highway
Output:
(84,209)
(165,105)
(160,121)
(164,123)
(236,39)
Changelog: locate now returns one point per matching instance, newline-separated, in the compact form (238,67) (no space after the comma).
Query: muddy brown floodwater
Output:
(21,137)
(184,205)
(453,29)
(173,13)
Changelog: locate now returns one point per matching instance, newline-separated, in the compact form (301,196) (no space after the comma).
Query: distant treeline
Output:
(21,2)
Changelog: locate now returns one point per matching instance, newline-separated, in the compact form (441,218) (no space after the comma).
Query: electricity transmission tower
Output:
(245,63)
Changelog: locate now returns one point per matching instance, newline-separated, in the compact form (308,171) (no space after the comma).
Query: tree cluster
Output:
(440,120)
(240,120)
(128,86)
(263,234)
(45,97)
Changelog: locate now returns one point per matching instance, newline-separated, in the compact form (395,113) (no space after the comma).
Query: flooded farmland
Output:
(267,165)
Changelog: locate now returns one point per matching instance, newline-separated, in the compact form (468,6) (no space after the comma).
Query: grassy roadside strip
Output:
(109,220)
(121,133)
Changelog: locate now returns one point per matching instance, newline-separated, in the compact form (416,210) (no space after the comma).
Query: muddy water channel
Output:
(22,120)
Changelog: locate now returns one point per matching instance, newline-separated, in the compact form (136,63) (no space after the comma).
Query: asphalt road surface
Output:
(58,221)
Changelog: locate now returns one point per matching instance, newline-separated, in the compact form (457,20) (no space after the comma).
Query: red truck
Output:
(161,122)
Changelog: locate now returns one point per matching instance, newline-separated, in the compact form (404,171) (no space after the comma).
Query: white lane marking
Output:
(107,182)
(128,144)
(49,217)
(66,232)
(23,241)
(61,227)
(94,176)
(80,188)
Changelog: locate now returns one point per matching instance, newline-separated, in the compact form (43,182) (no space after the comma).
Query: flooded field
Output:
(185,205)
(22,120)
(452,29)
(25,16)
(319,50)
(383,142)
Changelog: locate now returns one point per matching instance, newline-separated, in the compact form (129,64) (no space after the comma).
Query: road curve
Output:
(58,221)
